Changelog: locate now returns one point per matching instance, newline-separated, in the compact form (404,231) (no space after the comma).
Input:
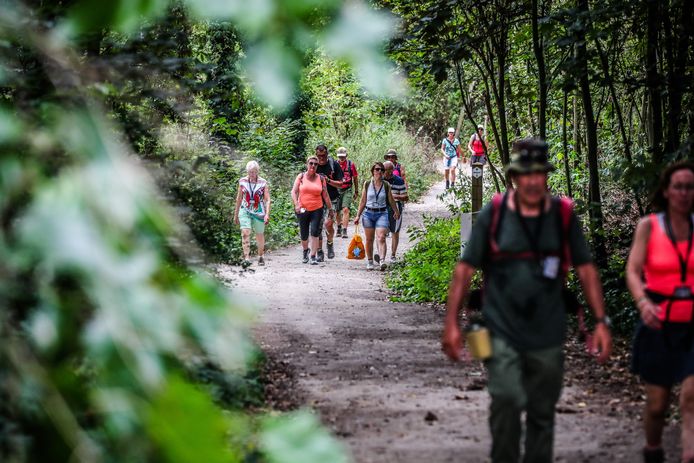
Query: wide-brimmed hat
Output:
(529,155)
(390,153)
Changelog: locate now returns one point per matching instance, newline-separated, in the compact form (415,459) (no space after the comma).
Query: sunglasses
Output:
(377,169)
(312,163)
(526,157)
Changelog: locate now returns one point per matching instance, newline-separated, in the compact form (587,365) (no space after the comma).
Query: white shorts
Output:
(450,163)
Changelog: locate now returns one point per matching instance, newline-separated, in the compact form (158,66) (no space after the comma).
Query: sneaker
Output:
(393,259)
(370,265)
(383,266)
(261,261)
(305,259)
(320,257)
(314,261)
(344,233)
(448,185)
(245,263)
(377,259)
(331,251)
(339,230)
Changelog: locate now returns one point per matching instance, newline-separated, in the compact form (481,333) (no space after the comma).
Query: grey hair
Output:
(389,165)
(250,165)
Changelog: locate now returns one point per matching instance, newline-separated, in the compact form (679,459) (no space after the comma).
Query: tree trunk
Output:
(565,145)
(595,208)
(653,80)
(538,45)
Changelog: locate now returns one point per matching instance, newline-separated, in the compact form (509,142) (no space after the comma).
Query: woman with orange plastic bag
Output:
(356,250)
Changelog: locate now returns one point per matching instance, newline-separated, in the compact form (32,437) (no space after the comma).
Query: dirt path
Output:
(374,371)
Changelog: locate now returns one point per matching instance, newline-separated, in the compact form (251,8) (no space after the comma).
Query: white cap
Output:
(451,129)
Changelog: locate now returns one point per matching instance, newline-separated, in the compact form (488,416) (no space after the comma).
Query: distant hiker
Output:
(525,260)
(331,171)
(375,198)
(476,146)
(399,190)
(309,194)
(348,191)
(660,277)
(398,169)
(450,147)
(252,211)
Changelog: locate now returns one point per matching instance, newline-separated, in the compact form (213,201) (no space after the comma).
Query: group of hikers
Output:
(322,197)
(525,242)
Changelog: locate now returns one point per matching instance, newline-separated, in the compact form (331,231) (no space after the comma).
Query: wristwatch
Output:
(604,319)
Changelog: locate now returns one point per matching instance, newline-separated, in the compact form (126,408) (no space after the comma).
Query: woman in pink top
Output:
(308,194)
(660,277)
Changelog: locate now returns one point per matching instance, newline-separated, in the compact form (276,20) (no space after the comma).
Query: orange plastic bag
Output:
(356,246)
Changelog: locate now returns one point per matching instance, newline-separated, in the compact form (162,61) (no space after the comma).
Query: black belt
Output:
(376,209)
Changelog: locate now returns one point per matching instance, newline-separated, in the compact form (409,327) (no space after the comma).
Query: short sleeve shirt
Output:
(520,305)
(331,170)
(450,147)
(397,185)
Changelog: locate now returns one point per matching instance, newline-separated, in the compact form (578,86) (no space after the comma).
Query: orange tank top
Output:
(662,270)
(310,193)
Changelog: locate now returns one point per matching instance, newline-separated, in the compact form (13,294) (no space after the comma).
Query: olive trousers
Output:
(527,381)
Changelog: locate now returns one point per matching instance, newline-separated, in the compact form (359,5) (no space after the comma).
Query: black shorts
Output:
(395,225)
(664,357)
(310,221)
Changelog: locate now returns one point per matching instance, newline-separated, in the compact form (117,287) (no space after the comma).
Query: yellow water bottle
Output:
(478,341)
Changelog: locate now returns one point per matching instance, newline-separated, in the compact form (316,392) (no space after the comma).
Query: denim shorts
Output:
(374,219)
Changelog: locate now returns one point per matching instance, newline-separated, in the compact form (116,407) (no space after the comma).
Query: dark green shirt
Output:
(520,304)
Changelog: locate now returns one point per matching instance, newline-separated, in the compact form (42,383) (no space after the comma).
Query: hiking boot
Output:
(393,259)
(305,259)
(653,455)
(383,266)
(261,261)
(314,261)
(377,259)
(320,257)
(331,251)
(344,234)
(448,185)
(370,265)
(339,230)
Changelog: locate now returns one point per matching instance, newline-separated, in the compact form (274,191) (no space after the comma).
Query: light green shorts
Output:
(248,220)
(346,198)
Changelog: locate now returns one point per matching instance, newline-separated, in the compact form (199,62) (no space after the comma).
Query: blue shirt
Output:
(450,148)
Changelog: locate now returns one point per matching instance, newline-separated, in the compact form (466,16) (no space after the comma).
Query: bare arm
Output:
(326,199)
(469,145)
(295,193)
(452,341)
(637,258)
(393,205)
(239,195)
(592,289)
(362,205)
(268,202)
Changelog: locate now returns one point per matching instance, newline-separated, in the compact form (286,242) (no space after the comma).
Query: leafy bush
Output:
(425,271)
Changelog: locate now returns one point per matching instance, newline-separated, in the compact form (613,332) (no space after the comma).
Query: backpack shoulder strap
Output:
(498,208)
(566,208)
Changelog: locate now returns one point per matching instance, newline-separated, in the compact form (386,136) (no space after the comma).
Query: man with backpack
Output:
(525,241)
(349,182)
(331,171)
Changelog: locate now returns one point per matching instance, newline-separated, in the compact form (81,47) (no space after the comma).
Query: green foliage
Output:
(425,271)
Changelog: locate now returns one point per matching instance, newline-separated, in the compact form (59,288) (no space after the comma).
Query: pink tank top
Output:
(662,269)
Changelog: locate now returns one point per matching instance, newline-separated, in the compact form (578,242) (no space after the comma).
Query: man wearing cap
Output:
(450,147)
(349,182)
(476,146)
(518,240)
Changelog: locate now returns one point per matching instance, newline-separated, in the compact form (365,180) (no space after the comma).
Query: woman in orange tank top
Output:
(660,277)
(308,194)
